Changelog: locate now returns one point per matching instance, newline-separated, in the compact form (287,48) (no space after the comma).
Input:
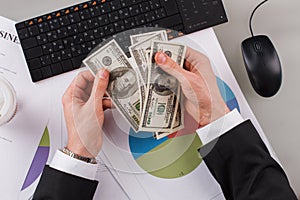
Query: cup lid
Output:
(8,101)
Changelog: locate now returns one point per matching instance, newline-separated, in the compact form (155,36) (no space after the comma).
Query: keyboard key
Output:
(53,24)
(62,33)
(55,57)
(88,36)
(76,50)
(84,14)
(83,26)
(42,39)
(47,48)
(125,3)
(104,8)
(170,6)
(33,53)
(134,10)
(93,23)
(86,48)
(169,21)
(99,32)
(29,43)
(43,27)
(68,42)
(150,16)
(33,30)
(145,7)
(20,25)
(140,20)
(52,36)
(74,18)
(45,60)
(67,65)
(154,4)
(119,26)
(129,23)
(64,21)
(124,13)
(57,45)
(77,61)
(115,5)
(34,64)
(36,75)
(94,11)
(66,54)
(109,29)
(114,16)
(78,39)
(103,20)
(160,13)
(72,30)
(23,34)
(46,72)
(56,68)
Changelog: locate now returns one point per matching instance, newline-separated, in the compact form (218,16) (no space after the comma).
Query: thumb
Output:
(99,87)
(170,66)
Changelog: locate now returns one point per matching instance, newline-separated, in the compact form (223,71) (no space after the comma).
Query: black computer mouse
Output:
(262,64)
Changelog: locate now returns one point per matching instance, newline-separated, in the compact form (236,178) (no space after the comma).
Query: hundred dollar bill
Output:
(141,37)
(141,53)
(178,125)
(163,94)
(123,84)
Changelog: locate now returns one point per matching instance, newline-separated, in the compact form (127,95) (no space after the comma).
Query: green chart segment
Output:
(173,156)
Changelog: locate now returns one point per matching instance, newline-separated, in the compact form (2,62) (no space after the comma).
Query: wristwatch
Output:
(66,151)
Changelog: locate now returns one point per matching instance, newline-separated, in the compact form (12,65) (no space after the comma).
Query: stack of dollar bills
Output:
(146,96)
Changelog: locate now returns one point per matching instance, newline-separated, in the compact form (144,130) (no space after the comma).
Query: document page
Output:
(19,139)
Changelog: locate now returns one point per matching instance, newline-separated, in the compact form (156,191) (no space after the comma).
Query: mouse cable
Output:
(250,21)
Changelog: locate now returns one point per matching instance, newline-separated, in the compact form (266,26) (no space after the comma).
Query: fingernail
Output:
(161,58)
(103,74)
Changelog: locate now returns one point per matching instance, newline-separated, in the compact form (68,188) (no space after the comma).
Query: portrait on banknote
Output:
(164,84)
(122,82)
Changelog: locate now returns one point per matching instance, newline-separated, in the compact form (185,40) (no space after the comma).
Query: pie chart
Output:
(176,155)
(39,160)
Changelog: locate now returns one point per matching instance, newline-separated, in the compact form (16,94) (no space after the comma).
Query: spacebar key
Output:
(169,21)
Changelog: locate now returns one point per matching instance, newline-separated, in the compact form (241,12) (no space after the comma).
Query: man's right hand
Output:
(203,100)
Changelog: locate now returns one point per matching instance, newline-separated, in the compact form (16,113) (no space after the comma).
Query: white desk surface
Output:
(278,115)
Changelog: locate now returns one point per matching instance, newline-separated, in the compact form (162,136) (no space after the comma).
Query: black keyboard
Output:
(57,42)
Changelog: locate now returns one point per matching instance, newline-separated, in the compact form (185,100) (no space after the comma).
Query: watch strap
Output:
(70,153)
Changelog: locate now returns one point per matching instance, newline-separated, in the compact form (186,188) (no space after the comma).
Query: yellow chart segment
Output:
(174,158)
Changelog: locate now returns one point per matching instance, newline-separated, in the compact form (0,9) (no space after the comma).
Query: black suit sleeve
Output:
(57,185)
(244,168)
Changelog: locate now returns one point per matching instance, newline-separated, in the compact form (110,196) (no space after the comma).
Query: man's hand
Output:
(203,100)
(84,107)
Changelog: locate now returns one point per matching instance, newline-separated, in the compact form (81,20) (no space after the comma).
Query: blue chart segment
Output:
(151,154)
(228,95)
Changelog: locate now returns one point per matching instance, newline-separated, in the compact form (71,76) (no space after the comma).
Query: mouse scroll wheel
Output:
(257,46)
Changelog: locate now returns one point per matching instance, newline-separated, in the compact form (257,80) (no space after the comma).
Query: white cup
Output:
(8,101)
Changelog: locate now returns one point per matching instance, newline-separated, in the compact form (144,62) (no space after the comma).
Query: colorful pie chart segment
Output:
(39,160)
(174,156)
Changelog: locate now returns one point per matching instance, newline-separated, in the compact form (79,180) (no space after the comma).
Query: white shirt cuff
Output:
(222,125)
(65,163)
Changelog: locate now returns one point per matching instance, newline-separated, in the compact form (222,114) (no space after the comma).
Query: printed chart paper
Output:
(170,168)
